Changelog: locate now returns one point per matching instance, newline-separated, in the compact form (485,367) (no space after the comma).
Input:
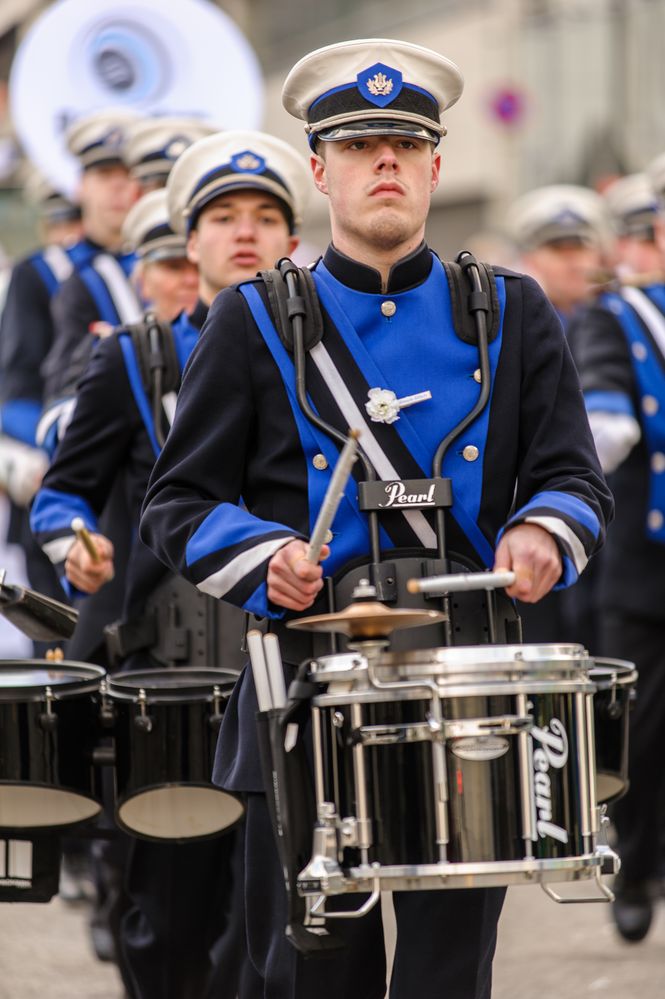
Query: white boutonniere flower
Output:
(384,406)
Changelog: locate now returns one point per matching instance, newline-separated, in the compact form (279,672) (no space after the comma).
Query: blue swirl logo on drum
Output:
(551,752)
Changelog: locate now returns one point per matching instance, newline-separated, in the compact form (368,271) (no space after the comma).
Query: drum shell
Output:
(165,733)
(49,726)
(615,683)
(179,747)
(59,756)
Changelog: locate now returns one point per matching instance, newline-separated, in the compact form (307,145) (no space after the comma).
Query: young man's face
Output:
(238,234)
(170,286)
(379,188)
(106,194)
(566,270)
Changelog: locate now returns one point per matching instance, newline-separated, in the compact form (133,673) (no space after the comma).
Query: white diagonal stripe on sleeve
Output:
(370,445)
(220,582)
(58,261)
(59,411)
(124,297)
(561,530)
(649,313)
(58,549)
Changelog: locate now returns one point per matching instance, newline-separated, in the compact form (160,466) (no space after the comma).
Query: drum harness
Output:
(296,313)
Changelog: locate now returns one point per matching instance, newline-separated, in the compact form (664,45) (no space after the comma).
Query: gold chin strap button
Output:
(388,309)
(320,462)
(477,377)
(470,452)
(328,537)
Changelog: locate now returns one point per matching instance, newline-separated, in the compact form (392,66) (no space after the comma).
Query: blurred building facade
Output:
(557,91)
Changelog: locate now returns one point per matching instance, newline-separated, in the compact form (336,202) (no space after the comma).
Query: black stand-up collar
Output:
(406,273)
(199,315)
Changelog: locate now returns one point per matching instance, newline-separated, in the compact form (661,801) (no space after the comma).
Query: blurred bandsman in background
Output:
(232,205)
(619,348)
(562,236)
(154,144)
(634,209)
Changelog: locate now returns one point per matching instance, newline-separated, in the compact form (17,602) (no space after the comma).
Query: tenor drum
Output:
(615,685)
(48,731)
(166,724)
(455,767)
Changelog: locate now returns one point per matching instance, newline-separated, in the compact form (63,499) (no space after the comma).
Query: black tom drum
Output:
(49,714)
(166,724)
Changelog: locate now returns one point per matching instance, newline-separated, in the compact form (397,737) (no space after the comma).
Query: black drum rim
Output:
(85,678)
(127,686)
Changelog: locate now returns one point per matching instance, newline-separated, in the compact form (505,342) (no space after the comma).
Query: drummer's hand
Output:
(84,573)
(532,554)
(293,582)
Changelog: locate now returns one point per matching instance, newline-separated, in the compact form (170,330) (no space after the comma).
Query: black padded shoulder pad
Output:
(460,291)
(278,299)
(155,351)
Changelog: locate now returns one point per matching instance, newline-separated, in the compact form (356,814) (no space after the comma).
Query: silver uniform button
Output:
(477,377)
(470,452)
(639,352)
(658,461)
(320,462)
(650,405)
(655,520)
(388,309)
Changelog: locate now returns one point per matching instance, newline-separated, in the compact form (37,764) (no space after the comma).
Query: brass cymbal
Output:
(368,619)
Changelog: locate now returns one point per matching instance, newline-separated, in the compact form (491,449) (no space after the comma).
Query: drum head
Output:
(33,806)
(27,679)
(179,811)
(177,684)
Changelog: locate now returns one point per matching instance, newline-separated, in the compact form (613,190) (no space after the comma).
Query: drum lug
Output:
(215,719)
(143,720)
(48,719)
(106,713)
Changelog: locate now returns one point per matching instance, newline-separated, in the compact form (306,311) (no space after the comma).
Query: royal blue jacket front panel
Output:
(238,432)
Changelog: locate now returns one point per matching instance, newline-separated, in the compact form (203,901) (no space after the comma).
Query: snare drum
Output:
(48,731)
(456,767)
(166,724)
(615,684)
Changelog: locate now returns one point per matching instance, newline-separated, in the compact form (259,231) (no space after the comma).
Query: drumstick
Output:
(275,671)
(333,496)
(462,581)
(259,669)
(84,536)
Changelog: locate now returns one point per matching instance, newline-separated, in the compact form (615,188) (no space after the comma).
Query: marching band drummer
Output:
(372,110)
(228,220)
(619,349)
(563,236)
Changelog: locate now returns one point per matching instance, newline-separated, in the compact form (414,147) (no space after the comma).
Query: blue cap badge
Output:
(380,84)
(248,162)
(568,217)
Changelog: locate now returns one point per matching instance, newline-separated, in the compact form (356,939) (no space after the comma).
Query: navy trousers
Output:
(445,939)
